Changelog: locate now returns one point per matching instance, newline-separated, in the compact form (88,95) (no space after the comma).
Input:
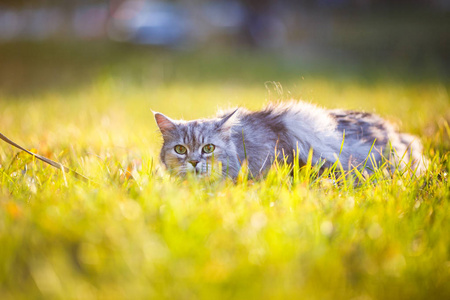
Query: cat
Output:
(284,131)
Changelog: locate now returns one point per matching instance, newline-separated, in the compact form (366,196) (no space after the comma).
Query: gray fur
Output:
(278,132)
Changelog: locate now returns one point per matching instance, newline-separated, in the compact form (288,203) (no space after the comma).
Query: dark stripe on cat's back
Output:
(267,117)
(273,121)
(362,125)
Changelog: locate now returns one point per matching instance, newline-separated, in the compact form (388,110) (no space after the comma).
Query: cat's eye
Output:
(180,149)
(208,148)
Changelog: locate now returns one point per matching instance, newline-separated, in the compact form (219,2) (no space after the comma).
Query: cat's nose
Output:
(193,163)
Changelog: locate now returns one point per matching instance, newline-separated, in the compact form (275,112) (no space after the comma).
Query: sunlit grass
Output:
(137,233)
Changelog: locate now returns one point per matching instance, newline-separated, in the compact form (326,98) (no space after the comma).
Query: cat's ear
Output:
(164,123)
(227,120)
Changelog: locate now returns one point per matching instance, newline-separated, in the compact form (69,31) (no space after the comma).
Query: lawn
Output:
(136,233)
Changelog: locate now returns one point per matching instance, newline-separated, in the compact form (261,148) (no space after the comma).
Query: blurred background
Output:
(416,29)
(304,46)
(411,34)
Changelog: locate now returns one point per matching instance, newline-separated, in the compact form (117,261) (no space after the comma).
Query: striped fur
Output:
(279,131)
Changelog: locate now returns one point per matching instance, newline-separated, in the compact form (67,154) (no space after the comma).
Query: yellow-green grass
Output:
(139,234)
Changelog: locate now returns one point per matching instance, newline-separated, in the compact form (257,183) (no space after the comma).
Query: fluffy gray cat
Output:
(284,131)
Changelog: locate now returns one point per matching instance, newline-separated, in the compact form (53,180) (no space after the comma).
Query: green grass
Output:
(139,234)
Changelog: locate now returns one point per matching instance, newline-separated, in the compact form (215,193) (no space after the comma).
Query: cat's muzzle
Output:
(199,169)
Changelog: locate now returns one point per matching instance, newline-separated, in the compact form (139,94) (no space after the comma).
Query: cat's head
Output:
(199,147)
